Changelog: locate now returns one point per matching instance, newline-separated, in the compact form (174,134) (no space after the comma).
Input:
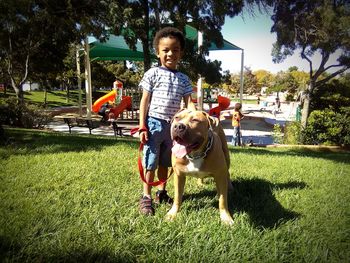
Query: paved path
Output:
(256,127)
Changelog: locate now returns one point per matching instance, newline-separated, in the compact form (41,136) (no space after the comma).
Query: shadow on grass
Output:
(323,153)
(23,141)
(13,252)
(254,197)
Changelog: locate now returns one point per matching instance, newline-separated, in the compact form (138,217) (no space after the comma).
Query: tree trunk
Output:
(306,104)
(45,94)
(145,40)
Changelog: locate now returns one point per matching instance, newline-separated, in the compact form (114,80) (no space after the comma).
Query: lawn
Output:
(55,98)
(74,198)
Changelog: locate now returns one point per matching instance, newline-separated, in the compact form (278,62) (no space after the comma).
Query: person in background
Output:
(104,111)
(237,116)
(163,89)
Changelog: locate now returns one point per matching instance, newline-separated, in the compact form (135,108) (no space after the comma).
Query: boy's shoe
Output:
(162,197)
(146,206)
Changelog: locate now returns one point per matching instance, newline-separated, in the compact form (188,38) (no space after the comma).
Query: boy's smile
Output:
(169,52)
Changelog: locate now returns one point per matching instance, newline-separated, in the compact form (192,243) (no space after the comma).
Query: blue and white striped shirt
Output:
(167,88)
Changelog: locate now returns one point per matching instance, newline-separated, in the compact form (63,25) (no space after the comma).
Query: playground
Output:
(122,116)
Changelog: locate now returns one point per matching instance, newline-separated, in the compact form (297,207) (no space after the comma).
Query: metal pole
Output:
(199,82)
(88,79)
(242,79)
(77,57)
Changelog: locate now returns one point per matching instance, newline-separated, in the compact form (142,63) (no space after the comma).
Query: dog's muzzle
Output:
(179,129)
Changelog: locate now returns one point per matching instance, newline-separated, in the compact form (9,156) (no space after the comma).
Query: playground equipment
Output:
(115,97)
(223,102)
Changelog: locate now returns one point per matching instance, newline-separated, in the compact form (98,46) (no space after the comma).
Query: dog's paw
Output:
(226,218)
(171,215)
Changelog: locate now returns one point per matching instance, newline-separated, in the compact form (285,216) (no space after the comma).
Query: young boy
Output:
(237,116)
(163,89)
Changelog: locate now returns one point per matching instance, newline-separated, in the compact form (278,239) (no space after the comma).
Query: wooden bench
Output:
(119,126)
(127,125)
(90,123)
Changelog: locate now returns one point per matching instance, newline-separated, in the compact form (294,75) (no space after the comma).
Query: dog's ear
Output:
(191,107)
(213,121)
(182,109)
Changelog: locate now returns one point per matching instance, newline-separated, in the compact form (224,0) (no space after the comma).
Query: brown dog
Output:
(200,150)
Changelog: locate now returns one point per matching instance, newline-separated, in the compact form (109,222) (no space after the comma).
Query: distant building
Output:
(263,91)
(29,86)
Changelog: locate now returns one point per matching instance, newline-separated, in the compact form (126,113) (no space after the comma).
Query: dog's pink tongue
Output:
(179,150)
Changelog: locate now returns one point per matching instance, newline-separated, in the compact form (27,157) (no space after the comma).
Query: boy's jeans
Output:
(236,138)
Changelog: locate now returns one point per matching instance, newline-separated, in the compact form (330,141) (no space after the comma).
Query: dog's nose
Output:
(180,127)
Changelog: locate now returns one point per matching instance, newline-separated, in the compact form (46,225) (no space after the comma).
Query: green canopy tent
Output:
(115,48)
(194,34)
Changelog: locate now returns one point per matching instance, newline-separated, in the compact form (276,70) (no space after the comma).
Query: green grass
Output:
(75,198)
(54,98)
(59,98)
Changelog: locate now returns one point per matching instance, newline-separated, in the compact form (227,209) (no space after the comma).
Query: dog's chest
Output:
(194,168)
(194,165)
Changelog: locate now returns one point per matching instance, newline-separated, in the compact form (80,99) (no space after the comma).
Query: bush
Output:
(22,115)
(292,133)
(277,134)
(328,127)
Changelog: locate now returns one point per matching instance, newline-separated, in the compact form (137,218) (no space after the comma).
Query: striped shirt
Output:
(167,88)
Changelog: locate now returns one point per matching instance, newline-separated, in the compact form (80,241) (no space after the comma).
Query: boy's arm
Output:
(241,115)
(144,103)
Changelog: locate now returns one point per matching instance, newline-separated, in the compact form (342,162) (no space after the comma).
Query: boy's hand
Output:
(143,137)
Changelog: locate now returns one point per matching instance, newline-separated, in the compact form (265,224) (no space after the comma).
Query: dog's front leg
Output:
(221,186)
(179,185)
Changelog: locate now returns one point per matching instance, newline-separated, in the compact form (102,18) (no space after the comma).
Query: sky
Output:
(254,36)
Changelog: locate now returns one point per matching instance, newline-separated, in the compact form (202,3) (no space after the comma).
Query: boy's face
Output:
(169,52)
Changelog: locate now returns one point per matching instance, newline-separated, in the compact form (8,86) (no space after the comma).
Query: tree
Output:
(250,82)
(141,19)
(264,78)
(310,27)
(33,31)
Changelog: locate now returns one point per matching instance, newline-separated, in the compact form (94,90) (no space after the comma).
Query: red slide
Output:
(224,103)
(125,103)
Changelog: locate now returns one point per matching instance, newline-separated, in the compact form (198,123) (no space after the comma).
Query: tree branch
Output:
(309,60)
(320,82)
(321,69)
(333,66)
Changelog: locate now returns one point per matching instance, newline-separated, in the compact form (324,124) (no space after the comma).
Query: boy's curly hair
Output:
(169,32)
(238,106)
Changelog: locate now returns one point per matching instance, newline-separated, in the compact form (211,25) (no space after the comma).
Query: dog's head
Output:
(190,128)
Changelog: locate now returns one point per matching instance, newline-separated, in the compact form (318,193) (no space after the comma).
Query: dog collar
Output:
(202,155)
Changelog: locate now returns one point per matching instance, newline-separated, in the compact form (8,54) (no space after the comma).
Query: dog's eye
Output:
(194,120)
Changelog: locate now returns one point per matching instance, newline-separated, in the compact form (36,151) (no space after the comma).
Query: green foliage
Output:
(328,127)
(277,134)
(22,115)
(292,133)
(313,27)
(35,36)
(71,198)
(334,94)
